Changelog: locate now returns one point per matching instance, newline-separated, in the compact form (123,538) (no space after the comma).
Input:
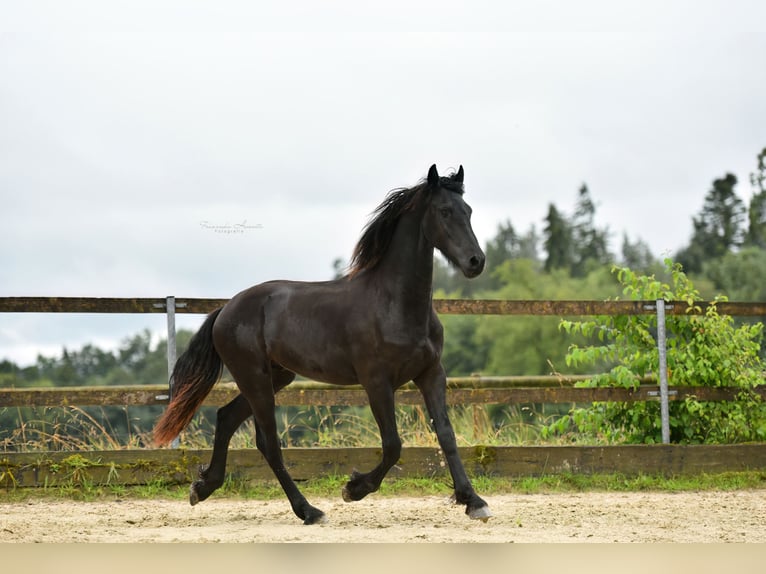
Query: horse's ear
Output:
(433,176)
(459,175)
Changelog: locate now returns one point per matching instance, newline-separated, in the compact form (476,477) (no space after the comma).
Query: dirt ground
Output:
(588,517)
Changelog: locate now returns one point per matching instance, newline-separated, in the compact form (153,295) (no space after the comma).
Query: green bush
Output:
(702,350)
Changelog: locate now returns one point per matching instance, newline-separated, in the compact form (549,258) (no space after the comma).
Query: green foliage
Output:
(575,243)
(558,241)
(702,350)
(741,275)
(756,232)
(719,226)
(531,345)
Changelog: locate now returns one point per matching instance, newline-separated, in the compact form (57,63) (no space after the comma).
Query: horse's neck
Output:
(406,270)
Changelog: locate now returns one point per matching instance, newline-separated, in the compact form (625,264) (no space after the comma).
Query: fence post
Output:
(663,374)
(170,309)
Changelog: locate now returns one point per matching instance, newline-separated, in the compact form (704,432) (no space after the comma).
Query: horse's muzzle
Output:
(474,266)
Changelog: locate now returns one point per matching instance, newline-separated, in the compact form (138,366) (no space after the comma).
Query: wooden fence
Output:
(136,466)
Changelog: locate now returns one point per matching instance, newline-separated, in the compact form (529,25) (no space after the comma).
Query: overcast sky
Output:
(132,132)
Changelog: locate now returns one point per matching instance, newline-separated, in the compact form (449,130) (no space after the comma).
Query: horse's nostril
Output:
(476,261)
(475,266)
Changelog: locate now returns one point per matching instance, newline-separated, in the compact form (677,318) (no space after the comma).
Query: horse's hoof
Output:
(315,516)
(346,494)
(193,497)
(482,513)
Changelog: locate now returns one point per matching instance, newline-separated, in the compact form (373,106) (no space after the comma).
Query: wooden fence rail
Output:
(322,395)
(443,306)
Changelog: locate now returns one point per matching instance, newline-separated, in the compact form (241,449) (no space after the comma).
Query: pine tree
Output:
(590,243)
(637,255)
(718,227)
(756,229)
(503,246)
(557,240)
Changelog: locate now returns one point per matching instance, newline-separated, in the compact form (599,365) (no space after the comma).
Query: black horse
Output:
(375,327)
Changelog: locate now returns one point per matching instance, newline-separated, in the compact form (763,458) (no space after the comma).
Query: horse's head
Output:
(447,222)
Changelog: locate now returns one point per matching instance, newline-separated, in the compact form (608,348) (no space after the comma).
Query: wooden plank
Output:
(131,467)
(225,392)
(84,396)
(80,305)
(444,306)
(104,305)
(540,307)
(564,308)
(739,309)
(668,460)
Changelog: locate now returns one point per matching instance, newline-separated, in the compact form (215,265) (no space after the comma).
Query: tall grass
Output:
(323,426)
(81,429)
(71,428)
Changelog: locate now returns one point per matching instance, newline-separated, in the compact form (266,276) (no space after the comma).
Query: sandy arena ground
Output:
(588,517)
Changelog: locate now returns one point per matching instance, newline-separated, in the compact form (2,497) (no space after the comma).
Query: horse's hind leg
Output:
(229,418)
(381,398)
(257,388)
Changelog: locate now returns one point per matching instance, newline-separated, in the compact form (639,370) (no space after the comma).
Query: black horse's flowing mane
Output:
(377,234)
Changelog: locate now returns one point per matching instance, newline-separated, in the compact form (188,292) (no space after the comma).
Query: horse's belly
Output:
(327,367)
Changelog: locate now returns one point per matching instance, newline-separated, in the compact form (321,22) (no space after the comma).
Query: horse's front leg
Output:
(381,397)
(433,386)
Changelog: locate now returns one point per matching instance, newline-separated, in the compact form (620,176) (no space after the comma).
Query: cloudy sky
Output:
(132,132)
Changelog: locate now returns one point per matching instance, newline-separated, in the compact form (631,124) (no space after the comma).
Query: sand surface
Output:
(738,516)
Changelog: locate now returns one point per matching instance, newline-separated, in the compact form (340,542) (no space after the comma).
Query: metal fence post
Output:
(170,309)
(663,374)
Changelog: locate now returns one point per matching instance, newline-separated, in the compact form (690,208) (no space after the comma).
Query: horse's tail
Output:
(195,373)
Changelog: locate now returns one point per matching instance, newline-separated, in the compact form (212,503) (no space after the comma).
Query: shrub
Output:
(702,350)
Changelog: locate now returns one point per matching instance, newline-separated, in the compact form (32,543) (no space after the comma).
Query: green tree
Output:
(718,228)
(557,241)
(533,345)
(756,215)
(462,355)
(741,275)
(590,242)
(756,229)
(506,245)
(758,177)
(637,255)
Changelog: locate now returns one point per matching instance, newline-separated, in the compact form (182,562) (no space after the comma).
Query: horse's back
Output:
(301,326)
(329,331)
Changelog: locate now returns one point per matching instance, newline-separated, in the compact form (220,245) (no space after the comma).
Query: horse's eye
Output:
(445,212)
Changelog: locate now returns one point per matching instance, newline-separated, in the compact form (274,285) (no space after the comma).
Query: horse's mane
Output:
(377,234)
